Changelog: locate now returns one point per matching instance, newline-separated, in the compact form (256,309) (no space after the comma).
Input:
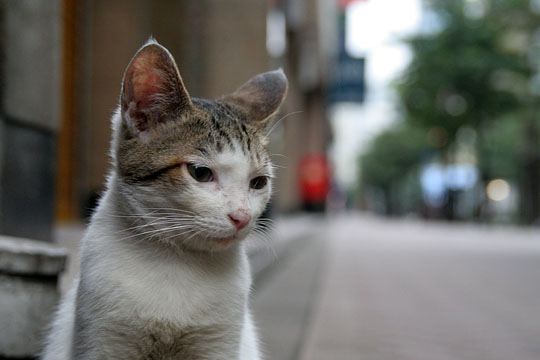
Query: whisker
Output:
(266,241)
(174,210)
(156,231)
(281,119)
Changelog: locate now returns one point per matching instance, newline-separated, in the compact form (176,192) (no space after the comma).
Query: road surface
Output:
(367,288)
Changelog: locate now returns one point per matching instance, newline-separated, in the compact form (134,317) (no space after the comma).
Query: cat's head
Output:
(193,171)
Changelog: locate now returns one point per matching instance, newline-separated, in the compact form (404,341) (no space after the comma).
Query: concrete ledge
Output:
(29,257)
(29,273)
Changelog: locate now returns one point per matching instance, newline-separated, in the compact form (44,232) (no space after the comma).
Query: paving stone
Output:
(416,291)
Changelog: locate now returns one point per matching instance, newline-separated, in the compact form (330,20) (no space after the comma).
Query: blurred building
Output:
(30,49)
(310,34)
(62,64)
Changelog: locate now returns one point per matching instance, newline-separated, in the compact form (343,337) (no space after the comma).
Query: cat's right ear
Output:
(152,90)
(260,97)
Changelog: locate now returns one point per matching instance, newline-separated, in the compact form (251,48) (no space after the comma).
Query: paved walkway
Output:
(404,290)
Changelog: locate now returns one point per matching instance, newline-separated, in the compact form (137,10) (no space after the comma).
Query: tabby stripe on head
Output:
(238,130)
(156,174)
(242,135)
(242,130)
(222,133)
(248,141)
(202,151)
(219,145)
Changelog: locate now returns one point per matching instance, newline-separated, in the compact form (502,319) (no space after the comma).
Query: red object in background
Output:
(314,178)
(344,3)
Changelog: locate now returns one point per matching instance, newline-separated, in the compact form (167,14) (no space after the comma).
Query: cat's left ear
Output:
(152,89)
(260,97)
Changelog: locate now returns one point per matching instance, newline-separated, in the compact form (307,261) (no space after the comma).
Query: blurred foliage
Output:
(477,66)
(393,154)
(464,74)
(499,152)
(391,166)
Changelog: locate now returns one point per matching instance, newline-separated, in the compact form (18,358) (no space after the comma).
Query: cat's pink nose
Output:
(240,219)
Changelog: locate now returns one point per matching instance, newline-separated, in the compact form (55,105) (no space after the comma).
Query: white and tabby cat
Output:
(164,274)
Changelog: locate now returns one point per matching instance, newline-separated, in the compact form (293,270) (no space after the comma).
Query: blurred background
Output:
(407,204)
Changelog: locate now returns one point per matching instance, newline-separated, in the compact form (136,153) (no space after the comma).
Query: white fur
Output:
(62,328)
(249,346)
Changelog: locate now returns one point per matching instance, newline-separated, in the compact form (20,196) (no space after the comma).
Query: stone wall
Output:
(30,108)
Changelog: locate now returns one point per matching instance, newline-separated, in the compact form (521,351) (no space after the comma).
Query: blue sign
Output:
(347,80)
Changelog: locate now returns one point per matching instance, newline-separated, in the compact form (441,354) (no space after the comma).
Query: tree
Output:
(452,79)
(473,71)
(391,156)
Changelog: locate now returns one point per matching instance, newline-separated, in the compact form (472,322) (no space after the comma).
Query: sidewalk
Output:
(410,290)
(285,293)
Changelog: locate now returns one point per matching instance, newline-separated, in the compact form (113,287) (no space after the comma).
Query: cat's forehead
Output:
(226,129)
(233,159)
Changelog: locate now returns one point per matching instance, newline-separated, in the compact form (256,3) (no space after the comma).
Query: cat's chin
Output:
(224,243)
(226,240)
(212,244)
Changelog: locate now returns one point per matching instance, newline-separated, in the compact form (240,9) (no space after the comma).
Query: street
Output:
(362,287)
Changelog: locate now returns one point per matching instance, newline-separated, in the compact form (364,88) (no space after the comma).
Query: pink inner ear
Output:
(145,85)
(147,79)
(152,90)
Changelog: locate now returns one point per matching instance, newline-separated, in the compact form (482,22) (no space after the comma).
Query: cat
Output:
(164,272)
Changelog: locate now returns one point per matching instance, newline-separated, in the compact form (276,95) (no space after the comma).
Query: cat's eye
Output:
(258,182)
(200,173)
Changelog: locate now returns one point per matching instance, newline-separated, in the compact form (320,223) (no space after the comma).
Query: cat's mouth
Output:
(226,241)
